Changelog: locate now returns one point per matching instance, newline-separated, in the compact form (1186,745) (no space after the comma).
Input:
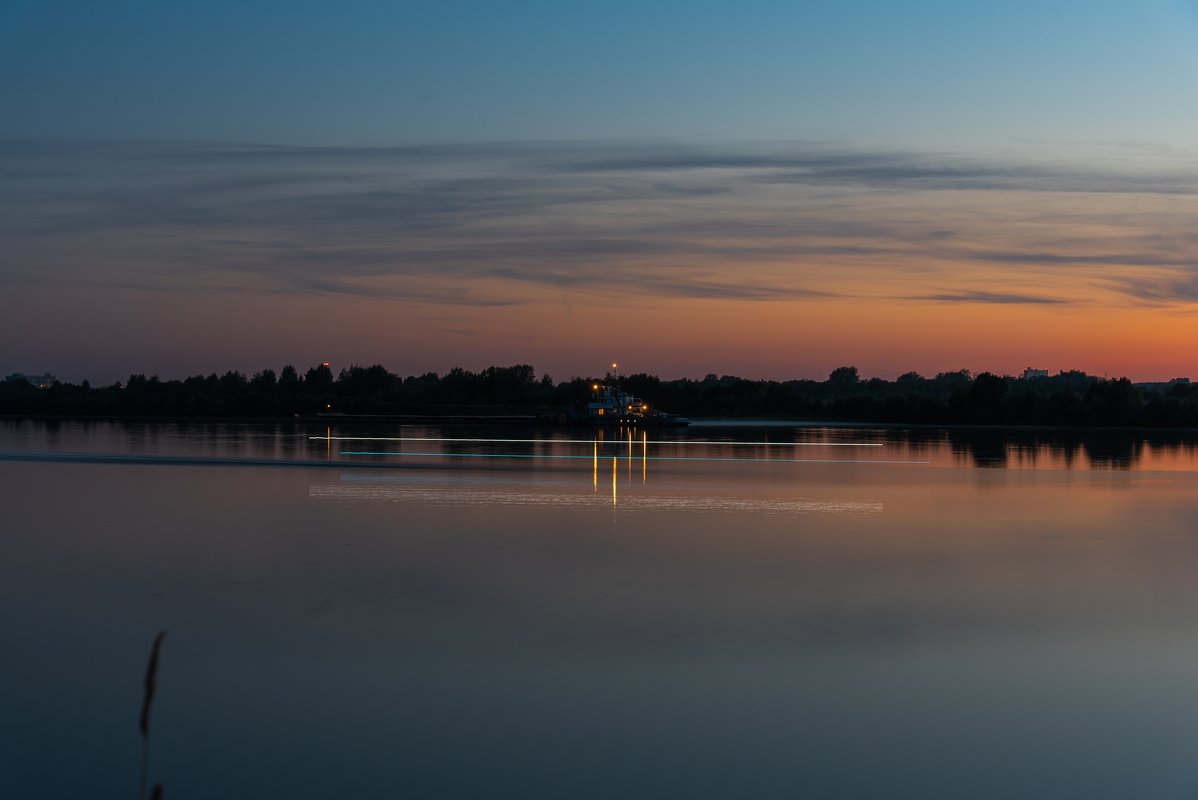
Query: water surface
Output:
(756,611)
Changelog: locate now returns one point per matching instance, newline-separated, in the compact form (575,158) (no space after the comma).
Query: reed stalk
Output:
(144,721)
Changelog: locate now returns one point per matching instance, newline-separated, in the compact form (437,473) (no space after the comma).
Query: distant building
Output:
(40,381)
(1030,373)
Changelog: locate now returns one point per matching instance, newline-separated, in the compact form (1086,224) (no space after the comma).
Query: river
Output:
(730,610)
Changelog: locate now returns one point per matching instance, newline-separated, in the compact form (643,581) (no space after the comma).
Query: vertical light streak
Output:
(644,457)
(595,468)
(614,460)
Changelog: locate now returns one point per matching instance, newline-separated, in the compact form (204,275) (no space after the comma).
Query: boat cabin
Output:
(611,403)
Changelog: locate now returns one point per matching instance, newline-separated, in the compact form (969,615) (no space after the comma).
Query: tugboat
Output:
(611,405)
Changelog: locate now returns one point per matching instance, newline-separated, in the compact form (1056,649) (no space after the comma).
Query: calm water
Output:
(738,611)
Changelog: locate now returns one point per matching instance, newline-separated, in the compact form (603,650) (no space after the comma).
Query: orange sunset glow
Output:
(678,269)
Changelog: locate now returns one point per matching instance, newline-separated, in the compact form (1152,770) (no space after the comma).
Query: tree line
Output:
(950,398)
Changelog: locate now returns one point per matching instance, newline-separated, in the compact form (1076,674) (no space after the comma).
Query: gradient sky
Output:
(770,190)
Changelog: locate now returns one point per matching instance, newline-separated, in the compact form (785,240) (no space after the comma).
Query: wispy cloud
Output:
(1184,289)
(483,224)
(839,165)
(990,297)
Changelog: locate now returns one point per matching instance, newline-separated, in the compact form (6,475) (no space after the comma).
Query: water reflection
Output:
(766,441)
(457,494)
(613,482)
(1068,449)
(621,449)
(756,623)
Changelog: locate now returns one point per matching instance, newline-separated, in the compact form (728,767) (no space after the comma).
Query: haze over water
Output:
(749,611)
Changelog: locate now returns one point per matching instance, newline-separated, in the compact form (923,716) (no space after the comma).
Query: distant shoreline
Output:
(960,399)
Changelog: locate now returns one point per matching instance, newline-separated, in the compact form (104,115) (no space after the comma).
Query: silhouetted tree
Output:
(1069,398)
(264,379)
(319,377)
(844,376)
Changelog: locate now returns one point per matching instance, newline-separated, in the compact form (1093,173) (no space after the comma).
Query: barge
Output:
(608,405)
(611,405)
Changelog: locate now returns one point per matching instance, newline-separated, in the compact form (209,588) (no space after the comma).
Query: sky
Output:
(769,190)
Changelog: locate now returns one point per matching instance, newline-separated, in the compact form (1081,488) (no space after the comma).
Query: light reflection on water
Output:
(457,495)
(1016,617)
(986,448)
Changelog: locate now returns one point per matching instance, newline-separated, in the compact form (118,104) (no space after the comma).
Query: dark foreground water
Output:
(718,612)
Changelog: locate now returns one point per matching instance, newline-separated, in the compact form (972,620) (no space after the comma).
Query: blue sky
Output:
(765,189)
(403,73)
